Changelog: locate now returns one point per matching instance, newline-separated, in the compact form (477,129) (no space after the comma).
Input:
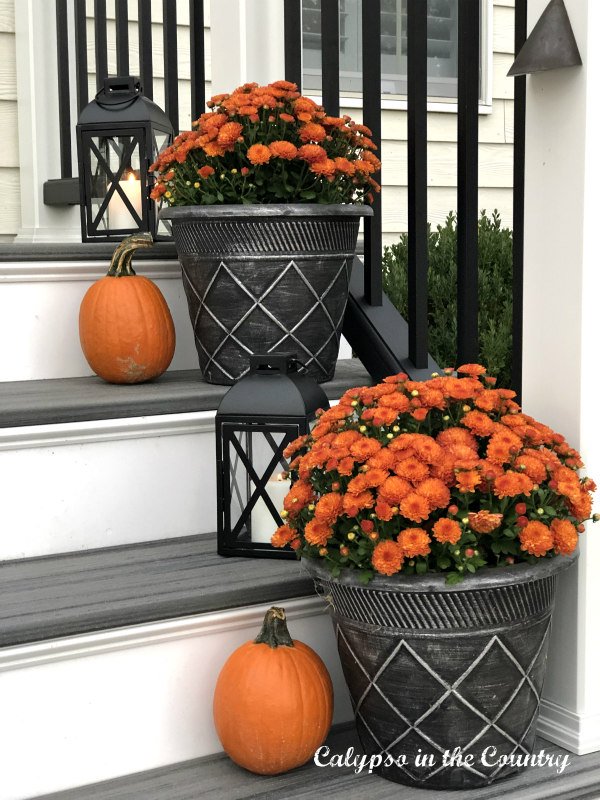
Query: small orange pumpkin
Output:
(125,326)
(273,702)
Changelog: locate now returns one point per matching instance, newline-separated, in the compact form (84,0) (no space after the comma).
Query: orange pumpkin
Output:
(125,326)
(273,701)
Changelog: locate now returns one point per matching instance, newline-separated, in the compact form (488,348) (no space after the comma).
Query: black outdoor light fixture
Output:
(119,135)
(260,415)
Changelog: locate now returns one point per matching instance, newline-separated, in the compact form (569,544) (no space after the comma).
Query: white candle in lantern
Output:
(119,216)
(262,524)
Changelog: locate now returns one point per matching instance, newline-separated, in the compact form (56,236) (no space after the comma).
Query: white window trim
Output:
(398,103)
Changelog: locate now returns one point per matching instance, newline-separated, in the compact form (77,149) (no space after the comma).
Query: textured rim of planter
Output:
(434,667)
(266,278)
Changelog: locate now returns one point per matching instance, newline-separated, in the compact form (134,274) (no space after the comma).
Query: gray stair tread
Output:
(217,778)
(44,598)
(59,400)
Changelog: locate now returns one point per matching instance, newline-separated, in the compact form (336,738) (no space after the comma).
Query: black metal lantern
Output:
(119,135)
(258,417)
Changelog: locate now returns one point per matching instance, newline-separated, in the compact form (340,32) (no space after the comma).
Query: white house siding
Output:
(10,213)
(495,128)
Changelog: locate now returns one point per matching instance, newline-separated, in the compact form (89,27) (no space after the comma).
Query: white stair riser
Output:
(99,484)
(39,316)
(95,707)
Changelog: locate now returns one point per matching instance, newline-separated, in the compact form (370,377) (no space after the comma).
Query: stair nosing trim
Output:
(106,430)
(150,633)
(60,271)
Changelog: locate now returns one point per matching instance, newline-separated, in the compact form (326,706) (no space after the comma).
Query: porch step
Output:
(47,598)
(84,464)
(218,778)
(108,660)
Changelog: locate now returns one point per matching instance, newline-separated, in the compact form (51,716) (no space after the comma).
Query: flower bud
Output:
(283,514)
(311,507)
(344,550)
(323,551)
(362,428)
(351,536)
(414,393)
(465,520)
(522,522)
(469,552)
(510,560)
(453,509)
(389,436)
(521,509)
(540,511)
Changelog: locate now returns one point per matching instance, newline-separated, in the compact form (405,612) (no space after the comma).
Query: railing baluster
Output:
(145,40)
(197,56)
(518,203)
(122,25)
(292,26)
(81,54)
(371,74)
(100,42)
(416,31)
(170,62)
(330,55)
(467,181)
(64,90)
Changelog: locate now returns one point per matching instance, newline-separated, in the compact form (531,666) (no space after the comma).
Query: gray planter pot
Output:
(266,279)
(432,667)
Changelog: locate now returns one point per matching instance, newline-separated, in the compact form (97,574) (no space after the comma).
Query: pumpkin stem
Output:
(121,260)
(274,630)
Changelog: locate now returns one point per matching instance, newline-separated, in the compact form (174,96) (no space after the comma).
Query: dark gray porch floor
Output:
(217,778)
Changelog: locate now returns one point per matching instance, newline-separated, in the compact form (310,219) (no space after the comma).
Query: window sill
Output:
(398,104)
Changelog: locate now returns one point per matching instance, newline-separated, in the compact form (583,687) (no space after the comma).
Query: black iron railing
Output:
(380,336)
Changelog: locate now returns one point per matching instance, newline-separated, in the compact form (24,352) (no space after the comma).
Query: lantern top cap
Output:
(273,387)
(121,100)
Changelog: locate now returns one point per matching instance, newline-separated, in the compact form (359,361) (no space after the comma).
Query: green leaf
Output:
(421,567)
(471,567)
(444,562)
(308,194)
(453,578)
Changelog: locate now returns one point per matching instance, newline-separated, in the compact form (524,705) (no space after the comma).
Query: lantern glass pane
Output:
(116,183)
(258,482)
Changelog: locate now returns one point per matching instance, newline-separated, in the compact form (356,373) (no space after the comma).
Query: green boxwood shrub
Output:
(495,292)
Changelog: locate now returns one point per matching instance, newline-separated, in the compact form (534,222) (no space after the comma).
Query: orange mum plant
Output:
(444,475)
(267,144)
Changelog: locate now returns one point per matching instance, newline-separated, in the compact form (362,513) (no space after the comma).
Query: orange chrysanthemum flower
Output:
(447,531)
(471,369)
(312,153)
(536,539)
(258,154)
(387,557)
(282,536)
(384,510)
(414,542)
(457,436)
(415,507)
(468,480)
(512,484)
(479,423)
(299,496)
(384,459)
(312,132)
(394,489)
(283,149)
(412,469)
(206,171)
(353,504)
(364,448)
(485,521)
(435,491)
(329,508)
(532,467)
(325,167)
(565,536)
(317,532)
(229,134)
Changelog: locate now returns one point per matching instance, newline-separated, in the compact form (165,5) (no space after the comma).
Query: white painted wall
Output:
(94,707)
(106,483)
(561,381)
(10,189)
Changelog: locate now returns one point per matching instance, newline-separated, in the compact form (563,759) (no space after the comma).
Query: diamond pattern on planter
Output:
(288,314)
(456,716)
